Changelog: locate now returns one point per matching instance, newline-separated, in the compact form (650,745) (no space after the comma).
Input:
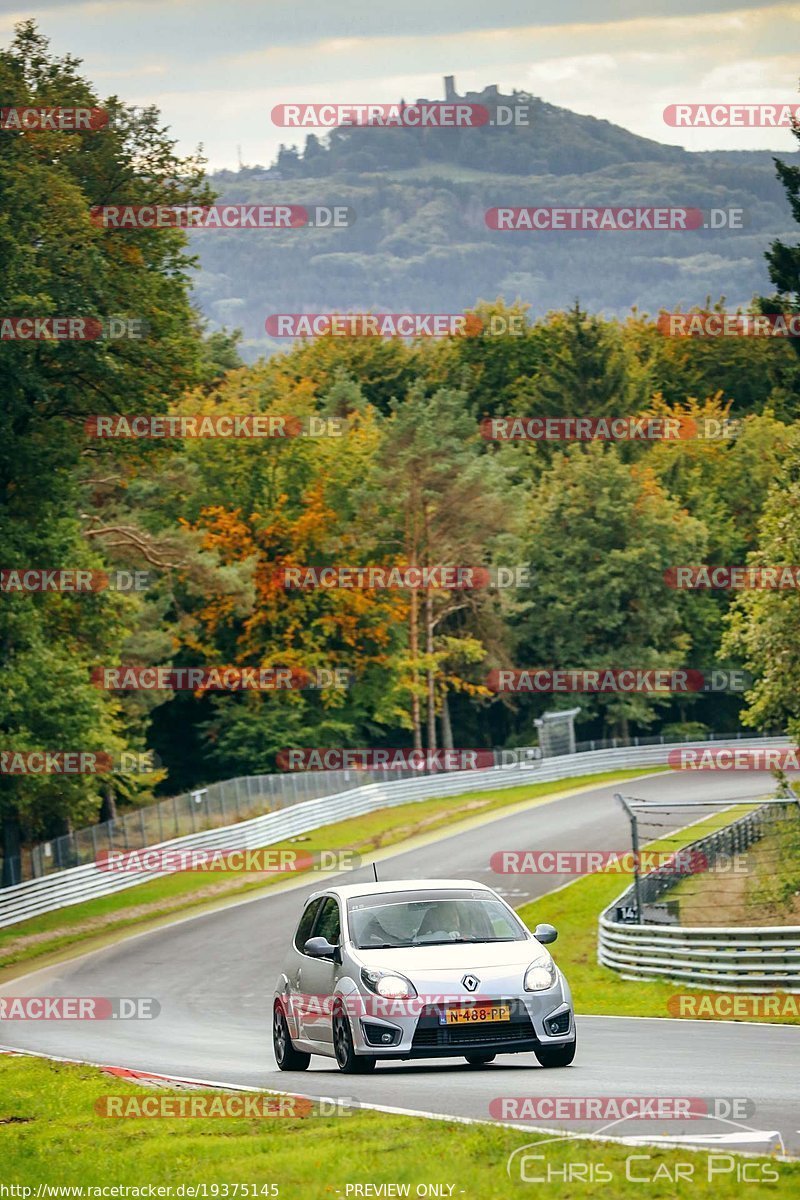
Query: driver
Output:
(441,918)
(375,933)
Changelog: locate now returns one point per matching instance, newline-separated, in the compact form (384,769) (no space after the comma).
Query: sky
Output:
(216,68)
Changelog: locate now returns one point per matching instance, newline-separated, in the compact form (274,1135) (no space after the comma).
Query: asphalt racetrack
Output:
(213,976)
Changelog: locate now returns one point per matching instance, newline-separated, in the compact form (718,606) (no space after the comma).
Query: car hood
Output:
(459,956)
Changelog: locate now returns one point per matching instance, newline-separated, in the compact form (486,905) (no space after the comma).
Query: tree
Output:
(58,262)
(600,534)
(764,625)
(584,370)
(447,502)
(784,260)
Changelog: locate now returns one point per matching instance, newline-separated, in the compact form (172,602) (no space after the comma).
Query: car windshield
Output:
(430,918)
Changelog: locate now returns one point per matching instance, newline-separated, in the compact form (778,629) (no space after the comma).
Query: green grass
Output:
(575,911)
(159,899)
(764,891)
(51,1134)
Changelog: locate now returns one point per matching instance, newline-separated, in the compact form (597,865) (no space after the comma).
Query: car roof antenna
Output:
(375,872)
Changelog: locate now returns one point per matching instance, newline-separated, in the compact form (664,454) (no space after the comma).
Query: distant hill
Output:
(420,242)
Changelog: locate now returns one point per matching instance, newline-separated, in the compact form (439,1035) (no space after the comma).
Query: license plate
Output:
(476,1014)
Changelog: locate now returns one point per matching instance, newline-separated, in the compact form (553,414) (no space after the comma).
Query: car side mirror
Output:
(320,947)
(543,933)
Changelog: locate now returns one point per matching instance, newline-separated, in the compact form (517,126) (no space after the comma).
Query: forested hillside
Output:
(401,472)
(420,242)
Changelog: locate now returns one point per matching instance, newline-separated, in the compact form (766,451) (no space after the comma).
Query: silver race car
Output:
(419,969)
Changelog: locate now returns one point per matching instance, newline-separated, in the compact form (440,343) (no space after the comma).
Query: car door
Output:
(296,966)
(319,975)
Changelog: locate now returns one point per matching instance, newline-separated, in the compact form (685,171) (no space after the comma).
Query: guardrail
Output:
(211,807)
(720,958)
(86,882)
(228,800)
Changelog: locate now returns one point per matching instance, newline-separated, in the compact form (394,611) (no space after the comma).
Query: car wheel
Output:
(287,1058)
(346,1058)
(479,1060)
(556,1056)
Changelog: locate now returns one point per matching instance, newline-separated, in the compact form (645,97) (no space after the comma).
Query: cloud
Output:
(217,70)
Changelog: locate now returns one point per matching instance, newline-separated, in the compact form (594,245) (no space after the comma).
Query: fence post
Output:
(637,883)
(175,811)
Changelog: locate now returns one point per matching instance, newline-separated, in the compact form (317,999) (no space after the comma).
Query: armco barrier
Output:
(723,960)
(740,959)
(86,882)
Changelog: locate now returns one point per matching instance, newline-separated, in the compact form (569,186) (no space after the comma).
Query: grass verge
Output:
(575,910)
(158,899)
(763,888)
(50,1134)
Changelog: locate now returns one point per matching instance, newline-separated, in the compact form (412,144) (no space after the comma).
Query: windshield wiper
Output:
(386,946)
(445,941)
(465,941)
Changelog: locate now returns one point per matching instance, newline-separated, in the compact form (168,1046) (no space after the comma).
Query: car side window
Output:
(306,923)
(329,923)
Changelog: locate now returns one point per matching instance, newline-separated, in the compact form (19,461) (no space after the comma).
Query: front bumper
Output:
(423,1035)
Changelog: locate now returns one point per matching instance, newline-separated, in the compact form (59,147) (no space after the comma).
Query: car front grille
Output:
(430,1034)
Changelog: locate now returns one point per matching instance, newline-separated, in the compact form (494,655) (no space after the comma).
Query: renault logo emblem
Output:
(470,982)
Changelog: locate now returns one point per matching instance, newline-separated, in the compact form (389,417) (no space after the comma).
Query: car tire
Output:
(347,1060)
(286,1056)
(479,1060)
(556,1056)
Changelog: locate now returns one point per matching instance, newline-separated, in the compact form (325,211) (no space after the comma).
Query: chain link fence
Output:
(239,799)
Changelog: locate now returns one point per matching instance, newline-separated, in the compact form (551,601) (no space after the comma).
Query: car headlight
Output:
(540,975)
(389,984)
